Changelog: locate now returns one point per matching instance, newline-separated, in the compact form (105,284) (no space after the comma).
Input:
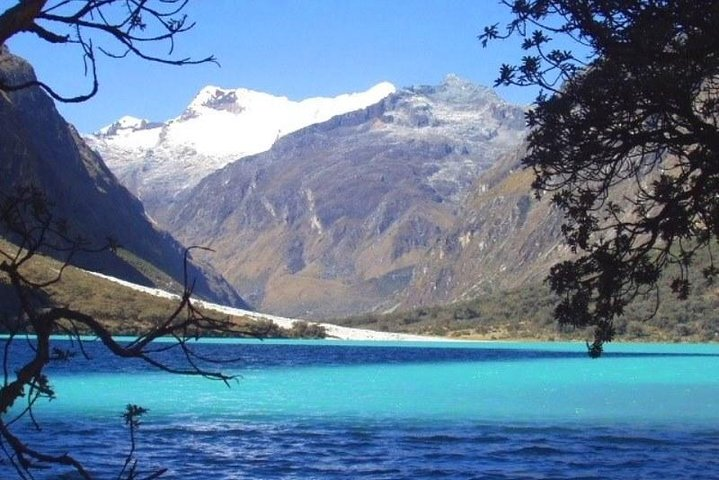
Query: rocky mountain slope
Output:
(156,161)
(336,218)
(39,148)
(502,238)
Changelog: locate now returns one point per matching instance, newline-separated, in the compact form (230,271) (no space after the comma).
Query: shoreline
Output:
(334,332)
(337,332)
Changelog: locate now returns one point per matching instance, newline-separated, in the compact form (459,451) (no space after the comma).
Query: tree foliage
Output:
(115,28)
(625,139)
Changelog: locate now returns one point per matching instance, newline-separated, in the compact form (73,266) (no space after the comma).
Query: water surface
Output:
(327,409)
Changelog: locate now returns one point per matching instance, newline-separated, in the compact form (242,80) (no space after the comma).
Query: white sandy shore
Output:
(333,331)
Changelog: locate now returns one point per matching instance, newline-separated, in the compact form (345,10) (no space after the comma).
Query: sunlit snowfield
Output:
(327,409)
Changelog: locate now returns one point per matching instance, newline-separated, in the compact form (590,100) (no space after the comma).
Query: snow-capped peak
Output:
(124,123)
(242,99)
(224,122)
(131,122)
(206,94)
(232,100)
(220,125)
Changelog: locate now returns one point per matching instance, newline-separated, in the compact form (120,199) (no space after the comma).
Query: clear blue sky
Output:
(296,48)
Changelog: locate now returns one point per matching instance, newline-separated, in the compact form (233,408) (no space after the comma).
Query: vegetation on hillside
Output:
(527,314)
(122,310)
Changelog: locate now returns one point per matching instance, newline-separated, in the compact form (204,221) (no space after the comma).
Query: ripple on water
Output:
(398,413)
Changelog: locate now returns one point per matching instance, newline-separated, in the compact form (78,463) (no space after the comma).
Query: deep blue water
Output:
(375,410)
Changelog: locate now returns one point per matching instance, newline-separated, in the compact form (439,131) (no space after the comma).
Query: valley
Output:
(393,210)
(341,216)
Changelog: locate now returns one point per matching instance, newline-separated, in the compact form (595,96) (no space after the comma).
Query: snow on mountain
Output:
(125,123)
(243,122)
(337,219)
(158,160)
(131,132)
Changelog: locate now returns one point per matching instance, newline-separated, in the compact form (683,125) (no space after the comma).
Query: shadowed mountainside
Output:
(39,148)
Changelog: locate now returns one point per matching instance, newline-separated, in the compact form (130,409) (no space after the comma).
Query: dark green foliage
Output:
(302,329)
(525,313)
(528,314)
(625,141)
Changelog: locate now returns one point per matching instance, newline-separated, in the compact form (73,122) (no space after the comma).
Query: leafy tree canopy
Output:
(626,142)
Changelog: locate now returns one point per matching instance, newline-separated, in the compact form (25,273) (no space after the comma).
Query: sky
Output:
(292,48)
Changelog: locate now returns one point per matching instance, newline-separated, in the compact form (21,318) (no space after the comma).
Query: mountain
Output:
(39,148)
(157,161)
(503,238)
(337,218)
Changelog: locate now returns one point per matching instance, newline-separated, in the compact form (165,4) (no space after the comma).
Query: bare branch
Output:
(129,26)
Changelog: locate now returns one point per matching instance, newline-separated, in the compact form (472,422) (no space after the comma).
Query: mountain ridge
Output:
(39,148)
(157,160)
(335,217)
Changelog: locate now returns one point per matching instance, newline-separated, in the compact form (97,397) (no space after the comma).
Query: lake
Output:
(330,409)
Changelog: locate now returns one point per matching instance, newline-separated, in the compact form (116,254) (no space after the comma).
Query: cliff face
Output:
(336,218)
(503,238)
(37,147)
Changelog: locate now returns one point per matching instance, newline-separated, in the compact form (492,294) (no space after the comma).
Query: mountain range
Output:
(367,202)
(375,208)
(379,201)
(158,160)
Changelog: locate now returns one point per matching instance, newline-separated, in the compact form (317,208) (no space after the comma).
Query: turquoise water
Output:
(486,410)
